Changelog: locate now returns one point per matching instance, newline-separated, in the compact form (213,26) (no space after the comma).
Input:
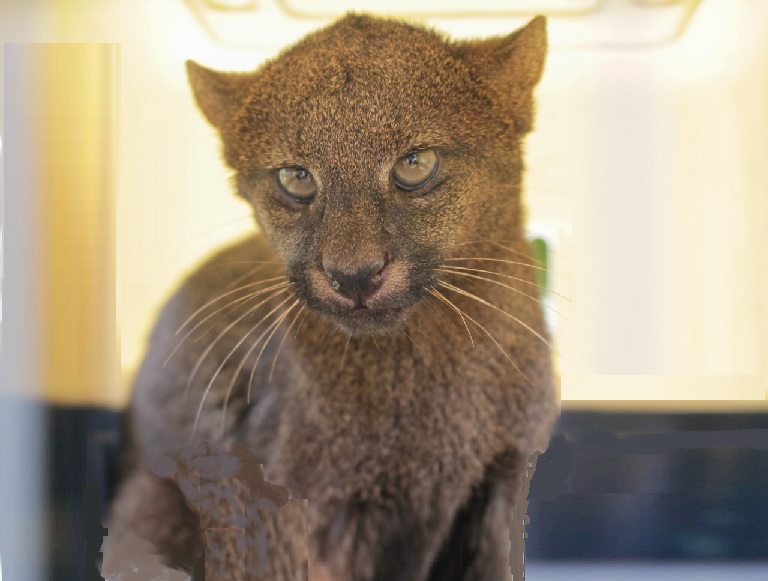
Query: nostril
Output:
(356,282)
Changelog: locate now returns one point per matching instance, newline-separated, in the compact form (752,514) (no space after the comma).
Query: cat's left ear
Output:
(217,94)
(512,65)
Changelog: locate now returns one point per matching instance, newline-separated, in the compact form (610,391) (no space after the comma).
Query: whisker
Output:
(282,341)
(515,251)
(303,319)
(514,262)
(511,278)
(433,305)
(431,340)
(244,300)
(505,313)
(502,260)
(344,354)
(276,325)
(225,331)
(461,315)
(512,250)
(327,330)
(251,272)
(533,264)
(224,361)
(506,286)
(221,296)
(440,296)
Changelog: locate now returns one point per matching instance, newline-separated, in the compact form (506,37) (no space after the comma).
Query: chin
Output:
(362,322)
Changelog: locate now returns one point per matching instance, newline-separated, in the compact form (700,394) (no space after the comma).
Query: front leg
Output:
(500,541)
(366,541)
(479,546)
(449,536)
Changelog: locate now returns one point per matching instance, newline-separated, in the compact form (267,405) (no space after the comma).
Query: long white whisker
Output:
(301,323)
(344,354)
(466,268)
(502,260)
(436,307)
(225,331)
(221,296)
(276,324)
(505,313)
(245,299)
(440,296)
(498,244)
(431,341)
(282,341)
(248,274)
(224,361)
(517,262)
(506,286)
(549,251)
(240,366)
(461,315)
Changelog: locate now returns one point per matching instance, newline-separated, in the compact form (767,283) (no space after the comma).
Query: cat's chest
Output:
(405,418)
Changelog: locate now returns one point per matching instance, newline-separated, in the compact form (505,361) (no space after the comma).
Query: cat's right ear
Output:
(512,65)
(217,94)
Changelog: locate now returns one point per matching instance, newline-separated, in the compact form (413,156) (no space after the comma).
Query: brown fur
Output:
(409,442)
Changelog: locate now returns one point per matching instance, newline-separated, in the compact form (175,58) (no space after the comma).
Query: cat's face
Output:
(371,149)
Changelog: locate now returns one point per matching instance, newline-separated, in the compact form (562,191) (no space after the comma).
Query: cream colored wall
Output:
(669,168)
(59,311)
(648,171)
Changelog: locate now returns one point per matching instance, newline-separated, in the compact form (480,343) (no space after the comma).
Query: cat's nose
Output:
(357,283)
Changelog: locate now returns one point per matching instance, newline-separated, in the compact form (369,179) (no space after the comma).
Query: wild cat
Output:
(378,344)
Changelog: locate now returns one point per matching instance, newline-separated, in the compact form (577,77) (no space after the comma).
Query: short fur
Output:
(408,427)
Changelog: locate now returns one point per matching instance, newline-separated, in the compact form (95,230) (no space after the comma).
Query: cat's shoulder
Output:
(244,261)
(220,278)
(189,313)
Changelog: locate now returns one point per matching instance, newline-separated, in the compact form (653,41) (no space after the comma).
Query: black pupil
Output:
(302,174)
(412,159)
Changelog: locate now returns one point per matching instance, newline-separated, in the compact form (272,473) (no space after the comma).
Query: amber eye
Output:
(415,169)
(298,183)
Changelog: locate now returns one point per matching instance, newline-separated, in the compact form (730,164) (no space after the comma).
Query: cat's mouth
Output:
(363,313)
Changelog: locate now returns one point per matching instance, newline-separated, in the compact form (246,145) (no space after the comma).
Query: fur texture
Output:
(408,424)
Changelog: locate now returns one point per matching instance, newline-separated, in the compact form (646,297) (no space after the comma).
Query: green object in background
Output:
(540,255)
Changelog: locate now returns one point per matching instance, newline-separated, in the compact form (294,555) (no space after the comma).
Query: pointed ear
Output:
(512,65)
(218,95)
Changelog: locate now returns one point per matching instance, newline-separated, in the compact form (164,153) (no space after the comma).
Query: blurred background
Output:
(647,193)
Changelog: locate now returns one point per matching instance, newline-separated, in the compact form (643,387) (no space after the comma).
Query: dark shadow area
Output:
(652,486)
(612,486)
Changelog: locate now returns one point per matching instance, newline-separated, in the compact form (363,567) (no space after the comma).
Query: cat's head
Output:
(370,149)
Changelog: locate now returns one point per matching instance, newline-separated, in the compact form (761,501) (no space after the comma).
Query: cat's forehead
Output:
(366,85)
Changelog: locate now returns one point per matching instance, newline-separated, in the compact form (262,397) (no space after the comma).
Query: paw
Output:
(137,559)
(320,573)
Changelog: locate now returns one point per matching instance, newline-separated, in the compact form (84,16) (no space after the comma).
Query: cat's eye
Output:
(298,183)
(412,171)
